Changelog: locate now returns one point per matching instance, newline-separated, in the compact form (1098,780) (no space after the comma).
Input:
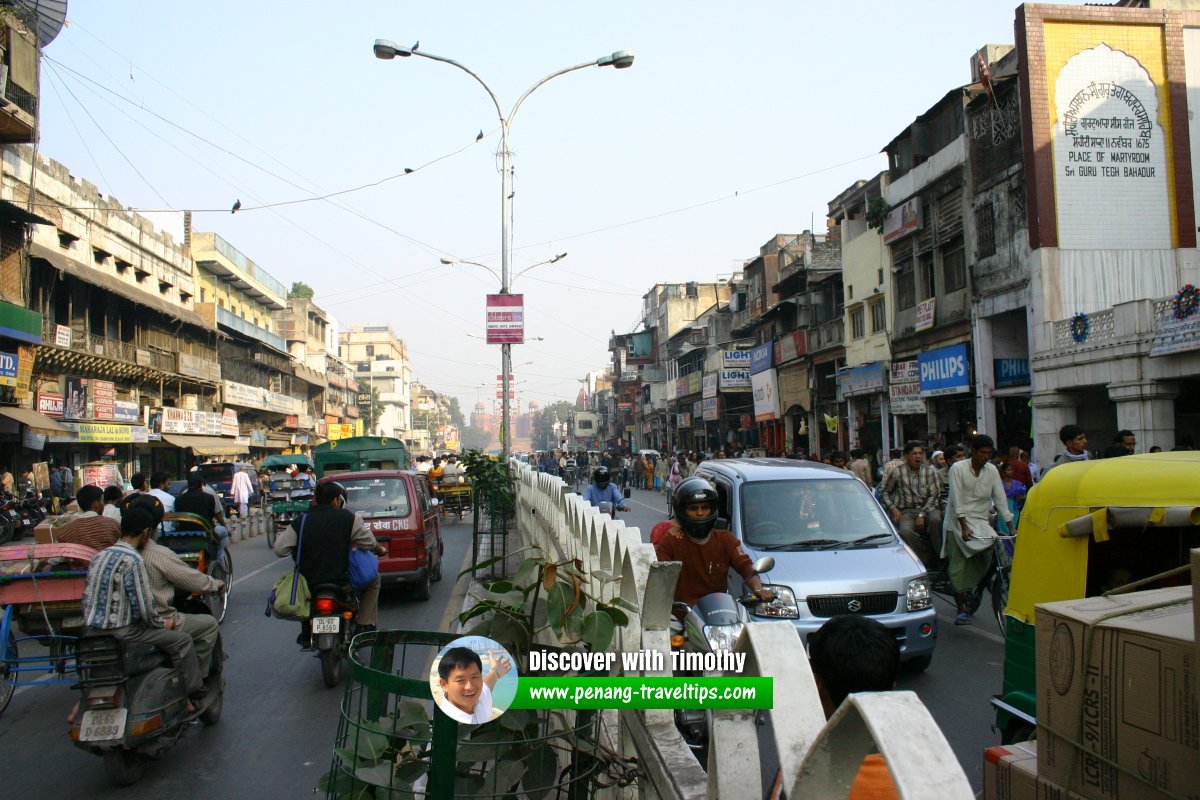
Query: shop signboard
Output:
(709,385)
(735,359)
(182,420)
(229,422)
(33,440)
(926,310)
(711,411)
(75,398)
(902,220)
(505,319)
(242,440)
(126,411)
(103,395)
(239,394)
(698,410)
(861,380)
(766,395)
(680,386)
(101,433)
(693,385)
(258,437)
(1011,372)
(281,403)
(25,356)
(62,337)
(735,380)
(905,372)
(1175,335)
(8,369)
(905,398)
(50,404)
(944,371)
(791,346)
(762,357)
(291,421)
(685,420)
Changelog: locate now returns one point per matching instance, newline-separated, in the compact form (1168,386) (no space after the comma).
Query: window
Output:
(954,265)
(928,275)
(906,287)
(370,349)
(850,291)
(985,231)
(878,316)
(65,240)
(857,325)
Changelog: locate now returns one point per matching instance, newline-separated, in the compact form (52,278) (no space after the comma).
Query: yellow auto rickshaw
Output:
(1089,528)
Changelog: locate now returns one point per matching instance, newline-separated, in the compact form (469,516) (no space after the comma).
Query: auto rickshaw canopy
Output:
(285,461)
(1051,558)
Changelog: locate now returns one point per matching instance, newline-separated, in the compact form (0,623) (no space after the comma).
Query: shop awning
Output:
(27,416)
(207,445)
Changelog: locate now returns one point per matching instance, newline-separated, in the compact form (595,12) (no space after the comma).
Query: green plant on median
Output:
(508,610)
(491,483)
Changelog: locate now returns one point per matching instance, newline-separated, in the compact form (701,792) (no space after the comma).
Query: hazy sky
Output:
(736,122)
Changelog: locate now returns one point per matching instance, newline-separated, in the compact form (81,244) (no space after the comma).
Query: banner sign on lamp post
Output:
(506,319)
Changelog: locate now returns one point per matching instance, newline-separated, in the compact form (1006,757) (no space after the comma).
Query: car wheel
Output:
(422,589)
(437,570)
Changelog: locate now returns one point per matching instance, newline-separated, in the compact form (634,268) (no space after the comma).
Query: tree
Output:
(472,438)
(301,289)
(456,415)
(373,412)
(543,437)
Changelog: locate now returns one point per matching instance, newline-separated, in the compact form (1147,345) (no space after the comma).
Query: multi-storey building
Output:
(123,342)
(381,365)
(258,374)
(866,289)
(926,232)
(305,328)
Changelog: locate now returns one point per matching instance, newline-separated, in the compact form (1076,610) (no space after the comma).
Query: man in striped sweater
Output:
(118,599)
(90,528)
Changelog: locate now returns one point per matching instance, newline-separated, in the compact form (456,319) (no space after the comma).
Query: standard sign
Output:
(944,371)
(506,319)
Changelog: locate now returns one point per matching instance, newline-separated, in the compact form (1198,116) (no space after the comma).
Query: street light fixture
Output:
(620,59)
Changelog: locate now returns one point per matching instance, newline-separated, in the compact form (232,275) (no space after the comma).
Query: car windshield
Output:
(811,513)
(377,497)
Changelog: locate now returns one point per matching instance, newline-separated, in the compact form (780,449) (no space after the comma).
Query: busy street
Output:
(768,401)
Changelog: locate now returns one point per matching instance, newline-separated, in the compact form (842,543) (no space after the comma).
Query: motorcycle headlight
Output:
(919,595)
(782,607)
(723,637)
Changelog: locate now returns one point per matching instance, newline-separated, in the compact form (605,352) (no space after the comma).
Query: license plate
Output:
(103,726)
(326,624)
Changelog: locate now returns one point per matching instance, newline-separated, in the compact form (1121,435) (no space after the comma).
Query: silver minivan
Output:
(835,549)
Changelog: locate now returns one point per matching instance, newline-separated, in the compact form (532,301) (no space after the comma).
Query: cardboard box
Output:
(43,533)
(1196,601)
(1010,772)
(1118,711)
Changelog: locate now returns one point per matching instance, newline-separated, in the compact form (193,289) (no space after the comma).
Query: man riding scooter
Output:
(603,490)
(329,532)
(706,552)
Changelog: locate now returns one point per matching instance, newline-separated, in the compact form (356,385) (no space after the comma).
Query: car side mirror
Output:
(764,564)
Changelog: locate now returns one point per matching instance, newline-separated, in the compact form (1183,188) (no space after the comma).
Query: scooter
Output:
(332,622)
(712,625)
(133,705)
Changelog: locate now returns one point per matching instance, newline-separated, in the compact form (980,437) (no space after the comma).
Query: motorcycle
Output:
(712,625)
(12,527)
(332,625)
(133,705)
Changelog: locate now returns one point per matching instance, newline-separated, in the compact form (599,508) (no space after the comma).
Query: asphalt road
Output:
(967,666)
(279,723)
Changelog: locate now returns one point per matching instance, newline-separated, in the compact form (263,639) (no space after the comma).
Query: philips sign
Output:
(944,371)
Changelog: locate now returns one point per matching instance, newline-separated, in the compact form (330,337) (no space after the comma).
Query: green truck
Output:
(360,453)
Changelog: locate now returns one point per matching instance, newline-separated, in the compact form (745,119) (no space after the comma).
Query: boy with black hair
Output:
(851,653)
(90,528)
(466,694)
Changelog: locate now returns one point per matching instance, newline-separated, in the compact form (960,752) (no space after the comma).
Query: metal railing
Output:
(830,334)
(816,758)
(230,320)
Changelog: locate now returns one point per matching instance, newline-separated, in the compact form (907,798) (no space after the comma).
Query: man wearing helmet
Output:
(603,490)
(707,553)
(329,532)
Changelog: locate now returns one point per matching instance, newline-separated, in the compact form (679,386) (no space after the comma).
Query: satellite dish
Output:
(44,16)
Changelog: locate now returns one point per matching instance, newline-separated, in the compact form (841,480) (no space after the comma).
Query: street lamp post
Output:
(621,59)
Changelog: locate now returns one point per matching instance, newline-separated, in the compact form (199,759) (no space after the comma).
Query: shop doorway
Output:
(1014,420)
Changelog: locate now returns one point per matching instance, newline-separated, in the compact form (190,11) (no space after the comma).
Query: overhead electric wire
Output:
(104,133)
(54,80)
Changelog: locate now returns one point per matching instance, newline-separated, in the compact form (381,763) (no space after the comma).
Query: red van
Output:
(396,506)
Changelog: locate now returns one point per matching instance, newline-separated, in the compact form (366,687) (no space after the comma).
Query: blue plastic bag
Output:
(363,568)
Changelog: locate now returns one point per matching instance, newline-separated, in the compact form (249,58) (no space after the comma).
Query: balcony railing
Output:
(230,320)
(830,334)
(92,343)
(249,267)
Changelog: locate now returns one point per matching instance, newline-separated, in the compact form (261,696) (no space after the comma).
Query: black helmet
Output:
(601,476)
(695,490)
(327,492)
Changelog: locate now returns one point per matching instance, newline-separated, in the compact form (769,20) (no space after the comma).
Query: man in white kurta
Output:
(975,487)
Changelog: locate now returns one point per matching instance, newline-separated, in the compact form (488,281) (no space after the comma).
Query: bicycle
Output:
(995,581)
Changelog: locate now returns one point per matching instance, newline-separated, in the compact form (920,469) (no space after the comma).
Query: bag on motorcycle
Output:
(291,598)
(363,566)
